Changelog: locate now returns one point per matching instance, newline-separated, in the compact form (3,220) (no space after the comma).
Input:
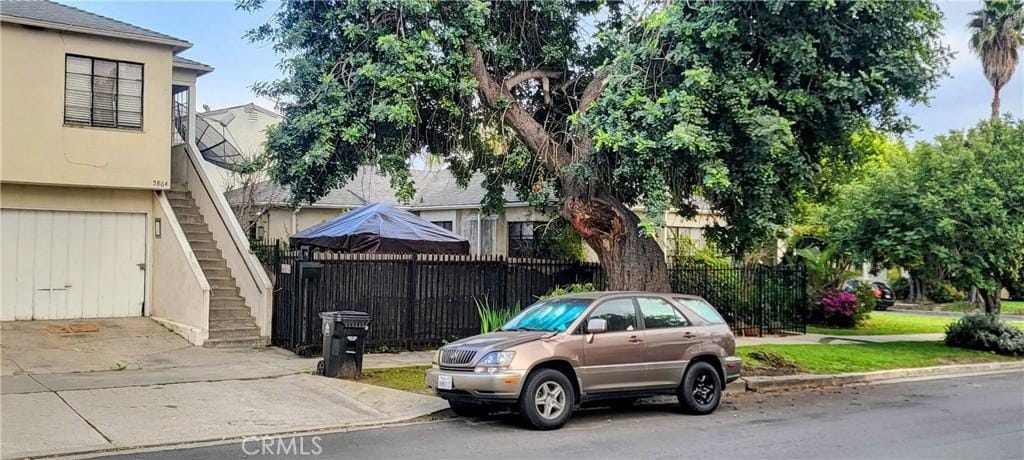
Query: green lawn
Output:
(885,323)
(778,359)
(398,378)
(1010,307)
(834,359)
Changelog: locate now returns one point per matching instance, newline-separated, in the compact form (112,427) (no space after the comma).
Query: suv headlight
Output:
(494,362)
(436,358)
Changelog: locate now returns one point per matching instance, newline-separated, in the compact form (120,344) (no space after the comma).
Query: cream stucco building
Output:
(106,209)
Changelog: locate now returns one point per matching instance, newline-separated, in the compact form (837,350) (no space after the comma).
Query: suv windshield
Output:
(553,315)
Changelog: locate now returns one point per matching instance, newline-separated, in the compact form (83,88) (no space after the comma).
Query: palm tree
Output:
(997,30)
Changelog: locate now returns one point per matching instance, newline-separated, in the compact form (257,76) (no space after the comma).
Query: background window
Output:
(521,240)
(99,92)
(684,240)
(445,224)
(179,114)
(481,238)
(659,313)
(619,313)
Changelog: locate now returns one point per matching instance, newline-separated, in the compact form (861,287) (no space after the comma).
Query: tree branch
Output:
(532,74)
(544,76)
(552,154)
(592,91)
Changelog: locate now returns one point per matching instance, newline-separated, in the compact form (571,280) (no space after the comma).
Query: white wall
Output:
(253,283)
(181,294)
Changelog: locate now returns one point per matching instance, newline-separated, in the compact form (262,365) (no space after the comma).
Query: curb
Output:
(125,449)
(787,382)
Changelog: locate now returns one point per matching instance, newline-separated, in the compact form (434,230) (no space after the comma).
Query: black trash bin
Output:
(344,338)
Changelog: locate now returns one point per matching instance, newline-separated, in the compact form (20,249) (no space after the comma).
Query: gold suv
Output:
(601,346)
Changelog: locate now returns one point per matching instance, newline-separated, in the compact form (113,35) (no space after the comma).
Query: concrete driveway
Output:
(134,383)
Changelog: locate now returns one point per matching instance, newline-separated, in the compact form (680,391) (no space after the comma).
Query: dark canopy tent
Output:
(380,228)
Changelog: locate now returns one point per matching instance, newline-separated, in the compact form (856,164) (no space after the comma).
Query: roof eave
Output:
(199,69)
(282,204)
(256,106)
(176,45)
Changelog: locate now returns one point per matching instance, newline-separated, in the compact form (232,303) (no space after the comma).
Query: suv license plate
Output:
(444,382)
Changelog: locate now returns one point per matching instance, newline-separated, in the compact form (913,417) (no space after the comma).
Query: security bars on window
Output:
(102,93)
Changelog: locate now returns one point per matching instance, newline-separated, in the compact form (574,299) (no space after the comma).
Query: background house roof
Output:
(55,13)
(190,64)
(433,189)
(252,106)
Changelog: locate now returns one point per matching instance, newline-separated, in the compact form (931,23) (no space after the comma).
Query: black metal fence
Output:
(755,300)
(265,250)
(419,301)
(416,301)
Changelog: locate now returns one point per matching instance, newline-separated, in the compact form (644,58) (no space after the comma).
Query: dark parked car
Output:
(886,297)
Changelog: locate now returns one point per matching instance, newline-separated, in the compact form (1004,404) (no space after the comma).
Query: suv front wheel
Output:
(547,399)
(701,389)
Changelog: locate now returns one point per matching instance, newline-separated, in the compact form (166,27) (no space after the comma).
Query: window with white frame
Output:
(480,242)
(445,224)
(102,93)
(676,238)
(179,113)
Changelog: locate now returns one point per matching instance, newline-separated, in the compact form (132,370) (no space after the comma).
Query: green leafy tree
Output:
(808,241)
(953,207)
(997,30)
(597,105)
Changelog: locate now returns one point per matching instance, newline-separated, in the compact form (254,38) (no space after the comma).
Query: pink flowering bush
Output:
(841,309)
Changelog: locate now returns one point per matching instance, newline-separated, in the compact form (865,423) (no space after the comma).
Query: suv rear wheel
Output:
(547,399)
(701,390)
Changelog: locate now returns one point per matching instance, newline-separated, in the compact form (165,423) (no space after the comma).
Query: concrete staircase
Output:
(231,324)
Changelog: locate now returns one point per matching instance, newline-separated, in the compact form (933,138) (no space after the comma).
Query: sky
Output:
(216,29)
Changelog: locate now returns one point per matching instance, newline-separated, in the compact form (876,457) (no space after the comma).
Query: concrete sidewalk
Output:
(59,394)
(951,314)
(133,384)
(824,339)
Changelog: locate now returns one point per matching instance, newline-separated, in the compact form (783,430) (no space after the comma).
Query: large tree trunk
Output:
(631,260)
(974,297)
(993,304)
(995,104)
(916,295)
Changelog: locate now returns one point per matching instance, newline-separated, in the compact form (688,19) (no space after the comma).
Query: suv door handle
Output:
(634,339)
(689,335)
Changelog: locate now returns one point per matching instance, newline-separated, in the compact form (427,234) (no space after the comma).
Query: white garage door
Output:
(60,264)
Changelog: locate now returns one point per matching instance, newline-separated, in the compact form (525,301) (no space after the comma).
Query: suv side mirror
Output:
(597,326)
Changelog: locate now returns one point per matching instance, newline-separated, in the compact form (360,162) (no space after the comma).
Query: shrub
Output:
(986,332)
(1016,288)
(900,287)
(840,308)
(491,318)
(558,240)
(866,298)
(568,289)
(943,292)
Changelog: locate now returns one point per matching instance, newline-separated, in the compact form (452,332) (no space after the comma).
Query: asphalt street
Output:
(980,417)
